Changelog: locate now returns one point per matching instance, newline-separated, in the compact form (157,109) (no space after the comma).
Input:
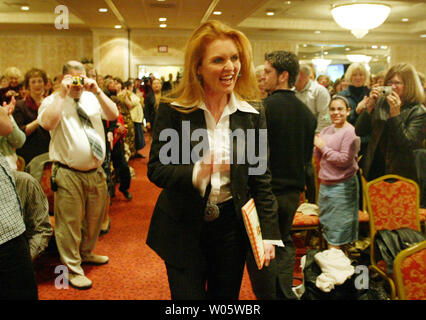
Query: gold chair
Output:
(410,272)
(308,223)
(392,204)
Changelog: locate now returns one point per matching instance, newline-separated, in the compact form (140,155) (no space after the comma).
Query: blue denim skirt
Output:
(338,211)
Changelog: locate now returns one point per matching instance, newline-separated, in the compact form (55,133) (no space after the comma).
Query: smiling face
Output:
(36,85)
(338,112)
(358,78)
(220,66)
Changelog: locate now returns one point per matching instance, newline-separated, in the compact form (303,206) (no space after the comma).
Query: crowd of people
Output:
(89,126)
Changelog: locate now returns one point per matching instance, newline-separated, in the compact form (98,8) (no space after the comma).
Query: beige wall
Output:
(260,47)
(109,50)
(47,51)
(414,54)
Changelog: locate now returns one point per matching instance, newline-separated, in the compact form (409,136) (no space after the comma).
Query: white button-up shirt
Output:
(69,143)
(219,145)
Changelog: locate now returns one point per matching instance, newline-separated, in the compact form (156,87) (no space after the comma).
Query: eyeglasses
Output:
(396,83)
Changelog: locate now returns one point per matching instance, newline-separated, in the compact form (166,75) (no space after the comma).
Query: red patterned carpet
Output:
(134,271)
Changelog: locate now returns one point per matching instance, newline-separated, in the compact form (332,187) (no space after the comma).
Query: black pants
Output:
(310,183)
(17,281)
(218,272)
(275,282)
(121,166)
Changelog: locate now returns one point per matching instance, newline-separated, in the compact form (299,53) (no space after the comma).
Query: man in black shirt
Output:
(291,128)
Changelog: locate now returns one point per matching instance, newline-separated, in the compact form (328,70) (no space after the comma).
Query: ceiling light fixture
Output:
(25,8)
(270,13)
(117,26)
(423,36)
(358,58)
(217,13)
(360,17)
(404,19)
(162,19)
(103,10)
(163,25)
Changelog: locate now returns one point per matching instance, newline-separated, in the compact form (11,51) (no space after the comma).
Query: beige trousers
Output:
(79,211)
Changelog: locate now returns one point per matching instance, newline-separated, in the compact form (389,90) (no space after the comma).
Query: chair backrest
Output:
(410,272)
(393,203)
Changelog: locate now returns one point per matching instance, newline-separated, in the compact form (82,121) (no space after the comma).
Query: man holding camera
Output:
(73,116)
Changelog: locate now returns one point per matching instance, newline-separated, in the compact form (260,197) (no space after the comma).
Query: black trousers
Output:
(218,272)
(17,281)
(121,166)
(275,282)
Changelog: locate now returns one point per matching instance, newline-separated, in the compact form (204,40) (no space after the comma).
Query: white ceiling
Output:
(295,20)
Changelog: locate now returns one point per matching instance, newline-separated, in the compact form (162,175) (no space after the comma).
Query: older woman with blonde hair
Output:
(197,226)
(358,77)
(395,121)
(14,78)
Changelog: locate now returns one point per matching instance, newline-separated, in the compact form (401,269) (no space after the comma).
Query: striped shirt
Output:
(11,220)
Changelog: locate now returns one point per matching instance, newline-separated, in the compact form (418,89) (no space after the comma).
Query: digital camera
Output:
(385,91)
(77,81)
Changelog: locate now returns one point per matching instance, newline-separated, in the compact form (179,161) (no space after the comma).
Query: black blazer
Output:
(177,220)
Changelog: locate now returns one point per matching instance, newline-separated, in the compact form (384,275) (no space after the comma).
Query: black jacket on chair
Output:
(177,220)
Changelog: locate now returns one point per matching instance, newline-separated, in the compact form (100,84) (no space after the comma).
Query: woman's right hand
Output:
(372,99)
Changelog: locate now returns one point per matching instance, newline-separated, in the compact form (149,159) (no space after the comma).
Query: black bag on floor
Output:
(311,271)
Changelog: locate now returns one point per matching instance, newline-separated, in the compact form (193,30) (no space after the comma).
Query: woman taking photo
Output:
(395,121)
(336,150)
(205,250)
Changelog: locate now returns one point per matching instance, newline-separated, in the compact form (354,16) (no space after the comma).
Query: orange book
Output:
(251,222)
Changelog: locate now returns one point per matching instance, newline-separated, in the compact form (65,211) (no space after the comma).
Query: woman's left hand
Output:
(395,103)
(269,253)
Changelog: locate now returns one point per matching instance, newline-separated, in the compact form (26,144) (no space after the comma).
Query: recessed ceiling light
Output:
(317,32)
(25,8)
(270,13)
(374,46)
(161,0)
(383,47)
(103,10)
(404,19)
(423,36)
(288,2)
(347,49)
(117,26)
(162,19)
(326,52)
(163,25)
(305,45)
(217,13)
